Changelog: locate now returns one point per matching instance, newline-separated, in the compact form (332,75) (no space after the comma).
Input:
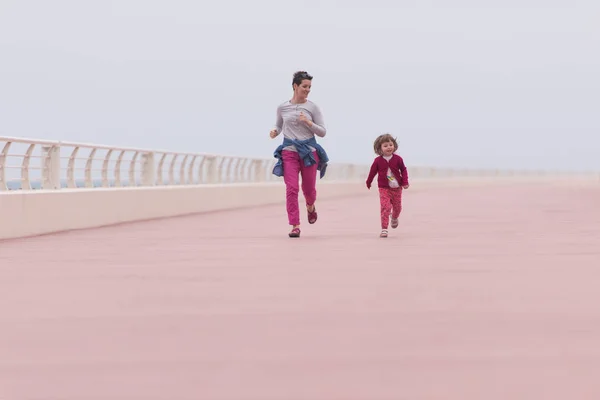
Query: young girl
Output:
(393,177)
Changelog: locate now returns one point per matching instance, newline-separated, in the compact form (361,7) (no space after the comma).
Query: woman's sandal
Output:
(383,233)
(394,223)
(312,215)
(295,233)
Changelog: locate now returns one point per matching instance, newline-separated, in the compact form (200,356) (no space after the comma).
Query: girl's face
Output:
(387,148)
(303,89)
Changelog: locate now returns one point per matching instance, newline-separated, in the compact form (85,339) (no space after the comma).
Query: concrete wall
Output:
(29,213)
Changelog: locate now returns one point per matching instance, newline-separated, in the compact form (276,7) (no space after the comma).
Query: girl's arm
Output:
(404,172)
(372,174)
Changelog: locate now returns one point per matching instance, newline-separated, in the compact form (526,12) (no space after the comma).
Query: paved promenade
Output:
(483,292)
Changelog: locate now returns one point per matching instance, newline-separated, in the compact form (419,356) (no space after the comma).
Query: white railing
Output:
(28,164)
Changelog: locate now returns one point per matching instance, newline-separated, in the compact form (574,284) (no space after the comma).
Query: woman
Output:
(299,119)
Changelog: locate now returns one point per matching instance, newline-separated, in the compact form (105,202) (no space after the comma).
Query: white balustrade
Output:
(28,164)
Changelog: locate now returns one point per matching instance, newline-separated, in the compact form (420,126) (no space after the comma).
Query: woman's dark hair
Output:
(299,76)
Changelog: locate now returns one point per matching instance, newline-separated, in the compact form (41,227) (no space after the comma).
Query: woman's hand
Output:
(273,133)
(304,119)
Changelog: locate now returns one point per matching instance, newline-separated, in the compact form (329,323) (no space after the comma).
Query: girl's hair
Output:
(299,76)
(381,139)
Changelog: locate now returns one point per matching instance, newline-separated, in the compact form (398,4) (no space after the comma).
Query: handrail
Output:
(28,164)
(63,164)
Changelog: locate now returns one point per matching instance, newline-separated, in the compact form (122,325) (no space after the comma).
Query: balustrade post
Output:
(3,156)
(148,169)
(50,167)
(213,170)
(259,171)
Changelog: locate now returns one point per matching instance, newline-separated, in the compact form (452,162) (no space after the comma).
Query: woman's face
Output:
(303,89)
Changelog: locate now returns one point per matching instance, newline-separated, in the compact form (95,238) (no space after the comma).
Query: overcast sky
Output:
(480,83)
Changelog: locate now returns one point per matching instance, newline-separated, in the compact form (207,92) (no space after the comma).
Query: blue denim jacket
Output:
(305,154)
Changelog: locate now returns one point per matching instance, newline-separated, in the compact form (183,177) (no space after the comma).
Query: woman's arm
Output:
(317,125)
(278,123)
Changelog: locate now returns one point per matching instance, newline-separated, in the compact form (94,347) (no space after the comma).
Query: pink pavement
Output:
(483,292)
